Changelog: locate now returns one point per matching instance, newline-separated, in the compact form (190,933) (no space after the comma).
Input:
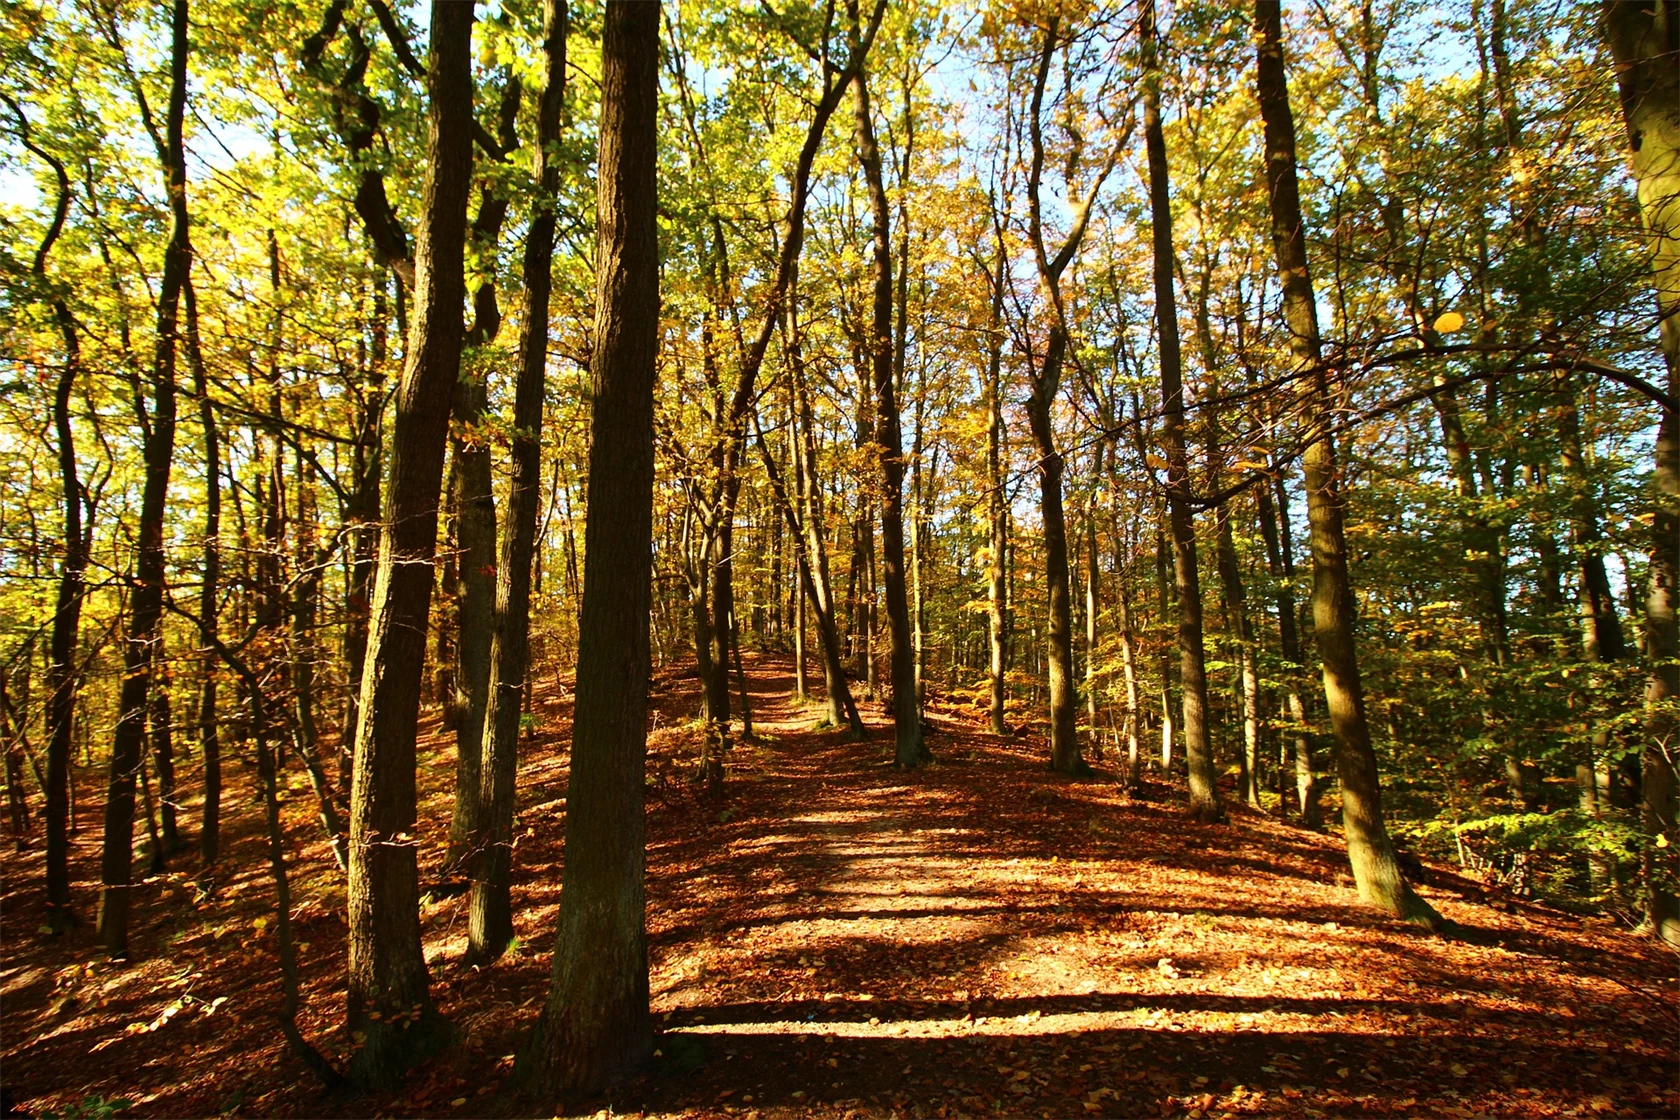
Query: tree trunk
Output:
(209,596)
(389,1007)
(1065,754)
(842,709)
(474,502)
(841,706)
(911,751)
(1198,750)
(1376,870)
(1280,562)
(1644,39)
(997,510)
(72,581)
(163,755)
(490,917)
(363,515)
(595,1025)
(158,450)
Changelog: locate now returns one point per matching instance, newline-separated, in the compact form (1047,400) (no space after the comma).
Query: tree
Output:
(158,434)
(1376,869)
(1046,380)
(911,750)
(1198,751)
(1644,39)
(595,1024)
(390,1011)
(490,923)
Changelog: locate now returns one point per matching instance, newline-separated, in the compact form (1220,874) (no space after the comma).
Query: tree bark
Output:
(1644,40)
(1205,802)
(911,750)
(158,449)
(842,708)
(72,582)
(474,503)
(490,916)
(1280,562)
(595,1025)
(391,1016)
(1376,870)
(1065,752)
(997,511)
(363,515)
(209,596)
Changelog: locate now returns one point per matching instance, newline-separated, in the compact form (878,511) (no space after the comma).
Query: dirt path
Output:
(835,938)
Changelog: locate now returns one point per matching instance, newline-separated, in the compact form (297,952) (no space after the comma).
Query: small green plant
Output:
(92,1107)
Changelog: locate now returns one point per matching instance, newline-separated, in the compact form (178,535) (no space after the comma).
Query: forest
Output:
(856,558)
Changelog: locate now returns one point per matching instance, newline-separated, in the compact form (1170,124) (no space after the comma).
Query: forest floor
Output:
(836,938)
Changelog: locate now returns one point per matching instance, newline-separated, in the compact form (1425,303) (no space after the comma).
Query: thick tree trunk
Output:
(1376,870)
(911,751)
(1644,39)
(390,1010)
(1205,803)
(490,917)
(595,1025)
(158,450)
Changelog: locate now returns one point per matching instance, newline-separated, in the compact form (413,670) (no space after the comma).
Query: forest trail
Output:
(836,938)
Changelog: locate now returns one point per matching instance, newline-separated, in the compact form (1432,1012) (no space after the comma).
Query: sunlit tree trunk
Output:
(1376,870)
(157,450)
(72,581)
(1205,802)
(1644,39)
(997,511)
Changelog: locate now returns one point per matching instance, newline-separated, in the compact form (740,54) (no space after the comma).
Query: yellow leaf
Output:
(1449,322)
(260,923)
(1155,461)
(1662,840)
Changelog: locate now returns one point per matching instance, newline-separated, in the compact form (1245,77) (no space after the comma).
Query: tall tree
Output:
(72,579)
(1198,749)
(1376,870)
(1645,42)
(911,750)
(157,428)
(595,1025)
(1046,380)
(390,1010)
(490,920)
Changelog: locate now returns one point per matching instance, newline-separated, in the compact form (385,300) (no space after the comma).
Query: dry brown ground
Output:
(836,938)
